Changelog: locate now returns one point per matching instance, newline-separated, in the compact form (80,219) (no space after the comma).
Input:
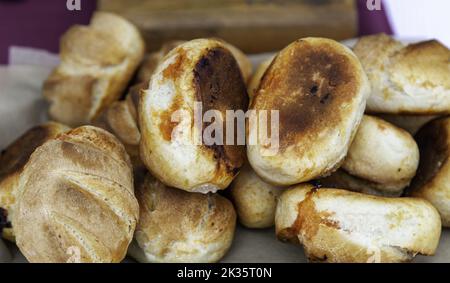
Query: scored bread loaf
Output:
(342,226)
(432,181)
(12,162)
(412,79)
(202,73)
(97,63)
(178,226)
(76,201)
(319,89)
(254,199)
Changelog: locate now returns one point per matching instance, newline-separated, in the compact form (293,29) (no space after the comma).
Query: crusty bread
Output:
(97,62)
(121,119)
(343,226)
(410,123)
(320,90)
(178,226)
(76,201)
(254,199)
(12,162)
(383,154)
(413,79)
(203,71)
(432,181)
(152,60)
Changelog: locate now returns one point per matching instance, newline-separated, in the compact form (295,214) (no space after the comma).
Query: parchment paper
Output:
(22,106)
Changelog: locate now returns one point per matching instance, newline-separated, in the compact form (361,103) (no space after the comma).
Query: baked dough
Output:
(12,162)
(97,63)
(343,226)
(383,154)
(152,60)
(320,90)
(183,227)
(203,71)
(254,199)
(432,181)
(412,79)
(76,201)
(121,119)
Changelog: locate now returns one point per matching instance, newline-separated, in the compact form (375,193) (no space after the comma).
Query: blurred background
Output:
(253,25)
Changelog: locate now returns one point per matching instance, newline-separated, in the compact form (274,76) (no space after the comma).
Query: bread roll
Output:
(203,72)
(320,90)
(76,201)
(432,181)
(254,199)
(410,123)
(382,154)
(121,119)
(153,59)
(413,79)
(12,162)
(342,226)
(97,62)
(177,226)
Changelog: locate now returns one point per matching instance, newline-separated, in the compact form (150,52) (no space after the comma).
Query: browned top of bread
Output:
(201,72)
(76,193)
(219,86)
(305,81)
(175,225)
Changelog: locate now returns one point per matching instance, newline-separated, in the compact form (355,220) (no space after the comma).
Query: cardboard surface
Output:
(22,106)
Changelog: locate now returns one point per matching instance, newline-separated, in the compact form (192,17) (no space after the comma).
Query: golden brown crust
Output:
(342,226)
(319,89)
(383,154)
(219,87)
(317,78)
(411,79)
(97,62)
(13,160)
(177,226)
(76,201)
(204,71)
(254,199)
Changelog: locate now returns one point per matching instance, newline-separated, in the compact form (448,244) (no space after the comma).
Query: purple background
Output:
(40,23)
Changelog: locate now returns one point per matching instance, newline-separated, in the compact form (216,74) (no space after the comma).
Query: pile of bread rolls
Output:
(105,178)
